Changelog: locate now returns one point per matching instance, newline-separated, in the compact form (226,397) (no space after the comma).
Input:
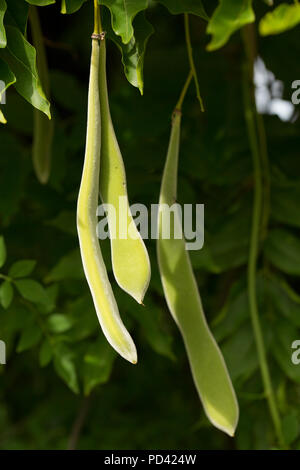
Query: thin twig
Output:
(250,113)
(184,91)
(79,423)
(191,59)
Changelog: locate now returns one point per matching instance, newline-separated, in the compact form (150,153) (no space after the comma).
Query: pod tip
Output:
(229,431)
(138,298)
(133,359)
(131,356)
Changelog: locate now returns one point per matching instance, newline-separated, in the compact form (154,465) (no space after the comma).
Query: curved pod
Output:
(2,118)
(93,264)
(130,261)
(43,126)
(181,292)
(42,145)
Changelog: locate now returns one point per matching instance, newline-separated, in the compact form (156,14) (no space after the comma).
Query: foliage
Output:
(57,356)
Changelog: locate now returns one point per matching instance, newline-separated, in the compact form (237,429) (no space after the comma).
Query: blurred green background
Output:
(62,386)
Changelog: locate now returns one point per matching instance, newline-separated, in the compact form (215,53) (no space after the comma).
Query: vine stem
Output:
(184,91)
(97,20)
(38,41)
(191,58)
(79,423)
(250,115)
(266,174)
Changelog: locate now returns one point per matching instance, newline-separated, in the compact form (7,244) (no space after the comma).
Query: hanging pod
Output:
(130,261)
(181,292)
(2,118)
(42,126)
(93,264)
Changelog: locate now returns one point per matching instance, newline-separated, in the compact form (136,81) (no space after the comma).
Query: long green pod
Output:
(130,261)
(43,127)
(94,267)
(2,118)
(181,292)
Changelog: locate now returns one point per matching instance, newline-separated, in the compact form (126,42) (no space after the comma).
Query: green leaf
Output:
(285,335)
(283,250)
(122,15)
(21,268)
(290,427)
(32,290)
(133,53)
(203,259)
(280,295)
(68,267)
(17,14)
(285,205)
(98,363)
(40,3)
(70,6)
(229,245)
(65,366)
(6,76)
(21,58)
(45,353)
(228,17)
(177,7)
(52,292)
(283,18)
(240,353)
(2,251)
(294,296)
(59,323)
(6,294)
(233,314)
(30,337)
(64,221)
(3,8)
(85,322)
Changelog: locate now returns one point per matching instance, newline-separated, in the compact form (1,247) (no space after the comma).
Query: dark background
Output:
(153,405)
